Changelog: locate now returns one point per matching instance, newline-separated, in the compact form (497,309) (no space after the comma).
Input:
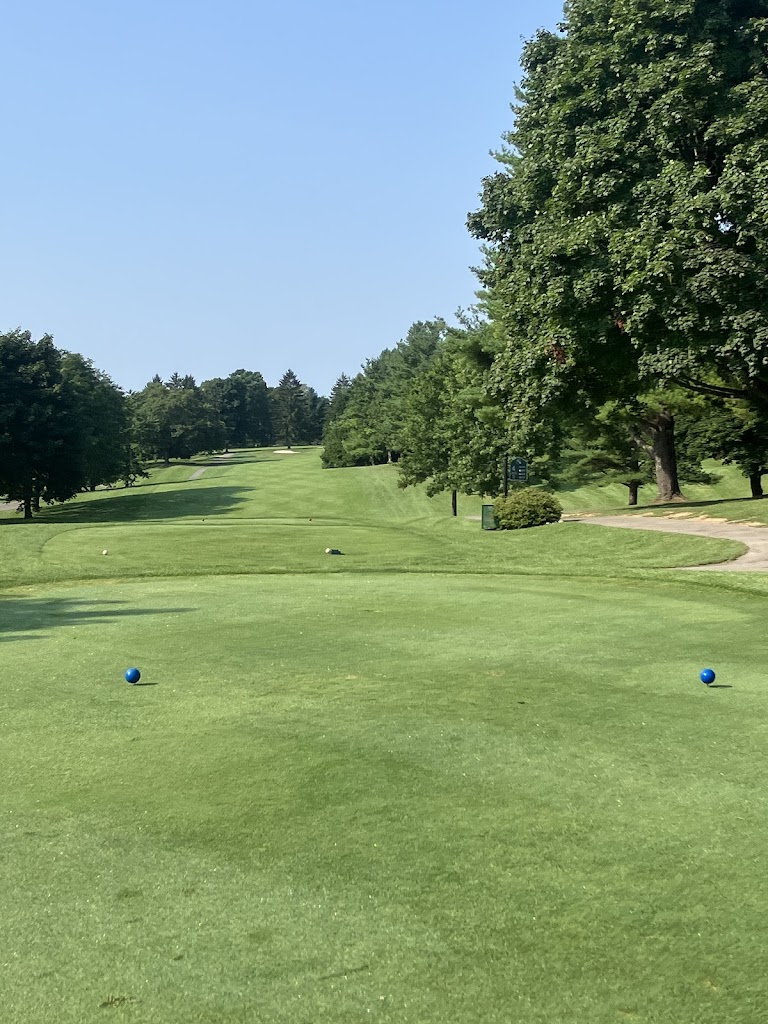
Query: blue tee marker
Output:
(132,675)
(707,676)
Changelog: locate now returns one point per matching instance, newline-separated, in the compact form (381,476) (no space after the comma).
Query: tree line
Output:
(622,325)
(66,427)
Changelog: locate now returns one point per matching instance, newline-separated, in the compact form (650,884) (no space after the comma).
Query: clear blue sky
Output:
(203,186)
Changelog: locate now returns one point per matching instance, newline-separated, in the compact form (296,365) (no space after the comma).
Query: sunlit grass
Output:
(449,776)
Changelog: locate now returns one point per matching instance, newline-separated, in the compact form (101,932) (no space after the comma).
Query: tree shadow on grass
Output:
(21,616)
(701,503)
(128,506)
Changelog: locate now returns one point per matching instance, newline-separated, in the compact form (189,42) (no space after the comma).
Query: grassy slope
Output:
(410,796)
(727,498)
(279,514)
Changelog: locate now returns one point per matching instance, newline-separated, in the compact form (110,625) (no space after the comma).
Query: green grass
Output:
(451,776)
(728,497)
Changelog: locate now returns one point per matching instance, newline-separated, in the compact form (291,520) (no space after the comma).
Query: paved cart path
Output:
(754,535)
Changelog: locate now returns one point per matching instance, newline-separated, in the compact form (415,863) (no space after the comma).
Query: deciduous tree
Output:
(174,421)
(626,237)
(38,428)
(242,402)
(102,439)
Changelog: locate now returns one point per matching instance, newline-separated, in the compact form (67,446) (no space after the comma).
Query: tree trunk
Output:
(454,509)
(756,480)
(634,487)
(36,503)
(27,506)
(389,456)
(665,458)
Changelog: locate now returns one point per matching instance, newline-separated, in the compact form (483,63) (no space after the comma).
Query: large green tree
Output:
(453,436)
(38,425)
(366,416)
(242,402)
(175,420)
(626,236)
(339,397)
(289,409)
(102,438)
(316,417)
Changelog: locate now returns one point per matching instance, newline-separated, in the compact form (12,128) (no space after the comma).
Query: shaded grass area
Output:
(330,798)
(23,616)
(728,496)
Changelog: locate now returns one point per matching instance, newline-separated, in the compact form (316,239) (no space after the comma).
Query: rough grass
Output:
(450,776)
(729,495)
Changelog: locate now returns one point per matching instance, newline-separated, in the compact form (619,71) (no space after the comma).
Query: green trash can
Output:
(489,523)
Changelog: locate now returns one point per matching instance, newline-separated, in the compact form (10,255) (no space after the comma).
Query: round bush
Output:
(529,506)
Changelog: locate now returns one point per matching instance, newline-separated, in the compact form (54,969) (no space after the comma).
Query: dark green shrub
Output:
(529,506)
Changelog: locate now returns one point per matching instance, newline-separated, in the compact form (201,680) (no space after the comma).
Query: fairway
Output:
(448,776)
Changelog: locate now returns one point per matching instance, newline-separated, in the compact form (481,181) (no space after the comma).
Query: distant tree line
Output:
(66,427)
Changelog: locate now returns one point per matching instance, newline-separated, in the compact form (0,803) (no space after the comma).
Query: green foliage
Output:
(316,416)
(64,425)
(733,432)
(365,424)
(242,403)
(289,409)
(339,397)
(452,434)
(38,423)
(607,449)
(102,445)
(626,236)
(524,507)
(175,420)
(616,444)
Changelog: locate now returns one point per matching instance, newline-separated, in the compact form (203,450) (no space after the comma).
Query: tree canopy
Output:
(242,403)
(625,235)
(175,420)
(101,445)
(63,425)
(366,415)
